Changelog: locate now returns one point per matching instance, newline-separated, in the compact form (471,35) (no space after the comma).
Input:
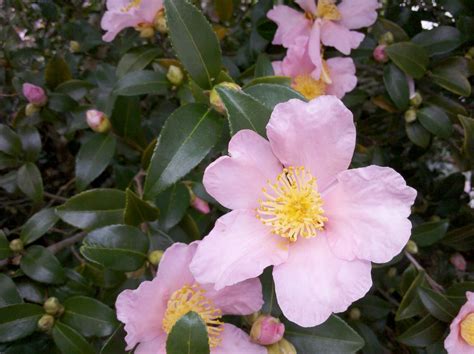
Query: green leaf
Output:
(136,59)
(89,317)
(373,307)
(333,336)
(30,182)
(138,211)
(429,233)
(173,203)
(188,335)
(411,58)
(69,341)
(115,344)
(396,85)
(186,138)
(417,134)
(411,304)
(126,117)
(93,158)
(18,321)
(423,333)
(9,294)
(76,89)
(10,142)
(452,80)
(5,251)
(436,121)
(244,111)
(142,82)
(461,239)
(31,142)
(383,25)
(439,40)
(270,305)
(117,247)
(468,145)
(41,265)
(372,343)
(437,304)
(7,161)
(271,80)
(56,72)
(263,66)
(270,95)
(194,42)
(93,208)
(38,225)
(60,102)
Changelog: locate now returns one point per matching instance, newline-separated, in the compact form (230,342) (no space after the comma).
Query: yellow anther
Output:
(131,5)
(309,87)
(467,329)
(328,10)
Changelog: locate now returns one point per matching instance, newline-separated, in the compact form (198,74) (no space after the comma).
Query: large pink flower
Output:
(461,336)
(324,22)
(150,311)
(121,14)
(319,236)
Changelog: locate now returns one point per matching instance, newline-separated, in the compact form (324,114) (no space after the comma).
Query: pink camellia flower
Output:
(34,94)
(323,21)
(461,336)
(120,14)
(296,206)
(150,312)
(338,74)
(267,330)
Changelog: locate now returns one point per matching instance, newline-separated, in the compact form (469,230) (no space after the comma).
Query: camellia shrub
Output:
(236,176)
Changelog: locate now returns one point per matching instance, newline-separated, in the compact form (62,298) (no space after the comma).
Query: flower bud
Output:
(98,121)
(31,109)
(354,314)
(282,347)
(175,75)
(34,94)
(387,38)
(392,272)
(146,30)
(470,53)
(74,46)
(267,330)
(46,323)
(411,247)
(410,115)
(160,22)
(458,261)
(200,205)
(16,245)
(52,306)
(379,54)
(416,99)
(215,99)
(155,256)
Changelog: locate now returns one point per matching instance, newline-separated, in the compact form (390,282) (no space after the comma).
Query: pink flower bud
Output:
(458,261)
(200,205)
(98,121)
(267,330)
(379,54)
(35,94)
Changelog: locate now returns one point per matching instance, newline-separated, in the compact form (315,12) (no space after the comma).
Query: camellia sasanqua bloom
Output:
(461,336)
(323,22)
(296,207)
(142,15)
(150,311)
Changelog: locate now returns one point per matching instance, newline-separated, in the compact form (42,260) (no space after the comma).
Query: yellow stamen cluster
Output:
(293,205)
(467,329)
(309,87)
(327,10)
(192,298)
(131,5)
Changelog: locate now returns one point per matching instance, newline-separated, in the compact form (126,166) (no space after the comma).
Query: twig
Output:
(55,248)
(55,197)
(388,297)
(418,266)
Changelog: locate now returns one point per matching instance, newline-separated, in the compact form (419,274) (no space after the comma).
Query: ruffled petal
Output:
(342,73)
(154,346)
(236,181)
(308,5)
(367,211)
(291,25)
(358,13)
(297,61)
(319,135)
(148,9)
(313,283)
(236,341)
(114,22)
(238,248)
(339,37)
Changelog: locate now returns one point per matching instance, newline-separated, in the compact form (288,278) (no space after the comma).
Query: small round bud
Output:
(392,272)
(416,99)
(16,245)
(387,38)
(411,247)
(31,109)
(34,94)
(458,261)
(175,75)
(74,46)
(379,54)
(46,323)
(470,53)
(52,306)
(98,121)
(282,347)
(267,330)
(155,256)
(160,22)
(146,31)
(215,99)
(410,115)
(354,314)
(200,205)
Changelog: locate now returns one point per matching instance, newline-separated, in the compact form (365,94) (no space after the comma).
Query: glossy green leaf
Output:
(436,121)
(383,25)
(270,95)
(186,138)
(57,71)
(8,161)
(60,102)
(411,58)
(411,304)
(423,333)
(439,40)
(270,305)
(9,294)
(93,208)
(417,134)
(93,158)
(263,66)
(188,335)
(126,117)
(115,344)
(194,41)
(372,343)
(18,321)
(117,247)
(173,204)
(38,225)
(468,145)
(137,210)
(461,239)
(452,80)
(10,142)
(76,89)
(270,80)
(142,82)
(136,59)
(30,181)
(429,233)
(437,304)
(396,85)
(30,142)
(69,341)
(41,265)
(374,307)
(5,251)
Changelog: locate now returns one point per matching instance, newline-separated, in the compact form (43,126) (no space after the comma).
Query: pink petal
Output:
(236,341)
(277,68)
(308,5)
(342,73)
(313,283)
(339,37)
(291,24)
(454,344)
(367,213)
(154,346)
(148,9)
(358,13)
(114,22)
(242,298)
(173,271)
(319,135)
(297,61)
(314,49)
(238,248)
(236,181)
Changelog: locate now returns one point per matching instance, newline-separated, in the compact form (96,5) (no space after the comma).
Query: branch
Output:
(418,266)
(55,248)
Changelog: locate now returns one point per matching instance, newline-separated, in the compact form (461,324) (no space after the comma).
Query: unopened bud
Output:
(470,53)
(411,247)
(31,109)
(200,205)
(387,38)
(410,115)
(416,99)
(215,99)
(46,323)
(16,245)
(98,121)
(160,22)
(267,330)
(52,306)
(252,317)
(458,261)
(282,347)
(379,54)
(74,46)
(175,75)
(146,30)
(155,256)
(354,314)
(34,94)
(392,272)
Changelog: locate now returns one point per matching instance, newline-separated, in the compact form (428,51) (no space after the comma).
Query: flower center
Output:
(293,206)
(131,5)
(309,87)
(467,329)
(192,298)
(328,10)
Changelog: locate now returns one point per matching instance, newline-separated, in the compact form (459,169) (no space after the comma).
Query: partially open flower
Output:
(267,330)
(98,121)
(35,94)
(461,336)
